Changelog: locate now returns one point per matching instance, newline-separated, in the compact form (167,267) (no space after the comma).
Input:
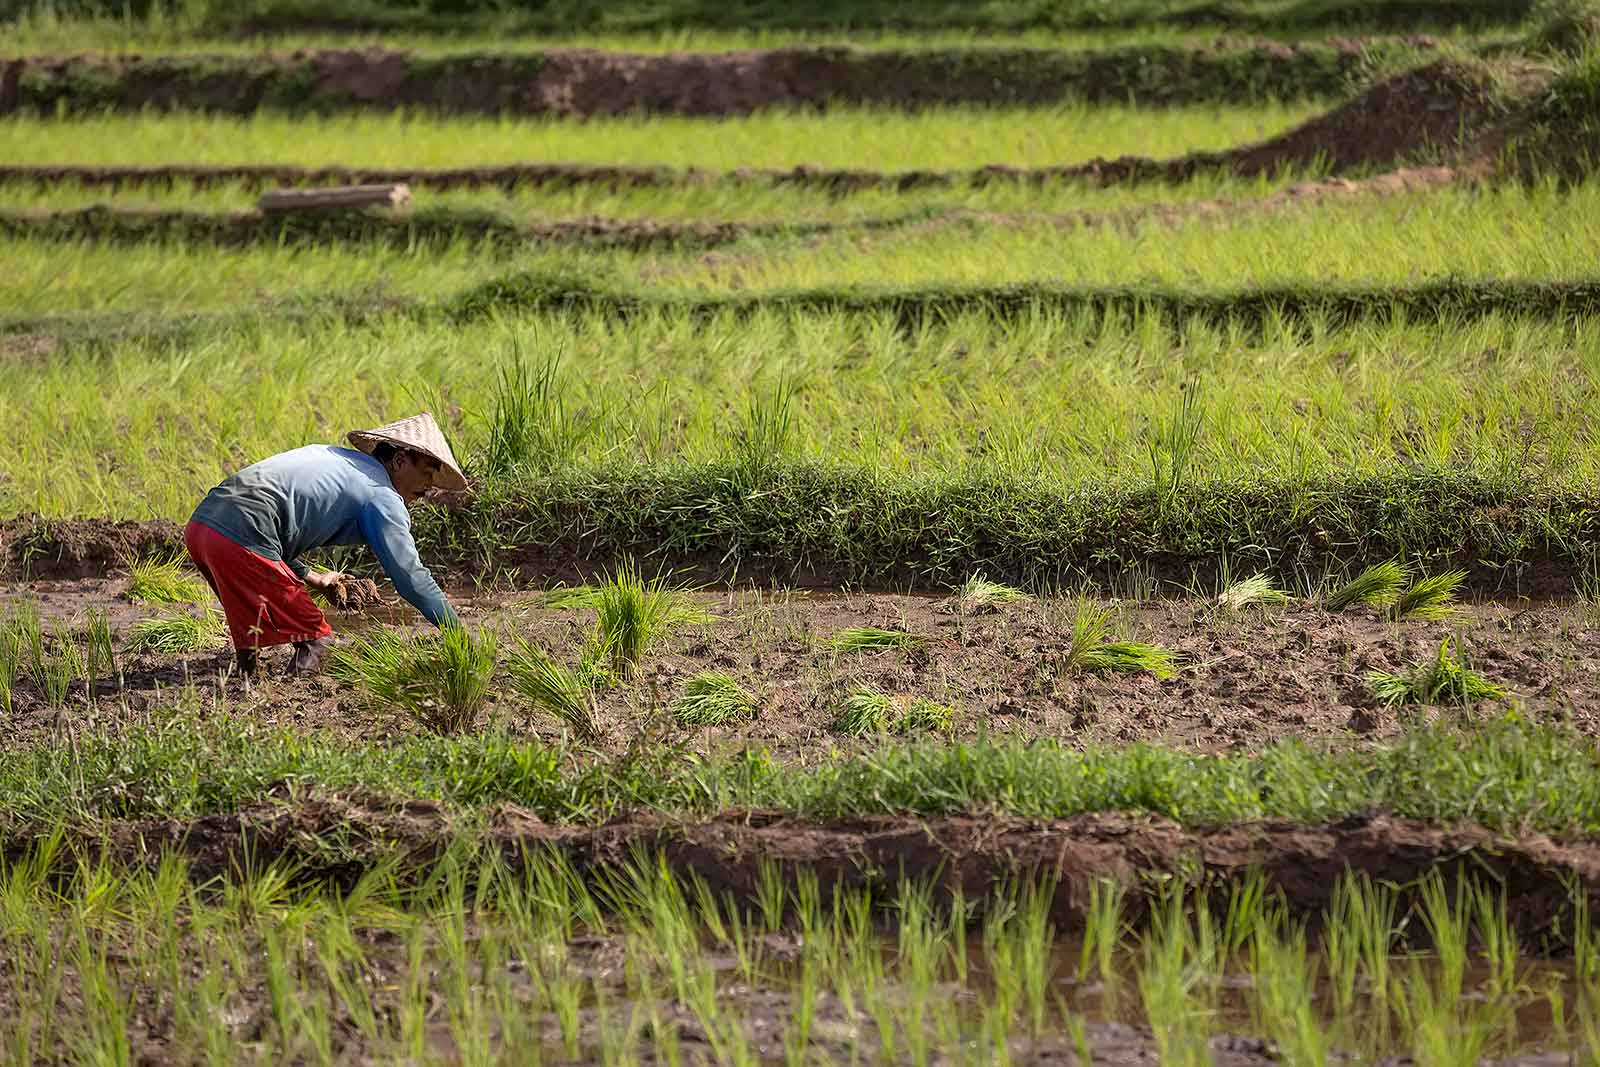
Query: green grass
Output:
(1503,773)
(947,138)
(163,581)
(713,698)
(176,634)
(440,680)
(1443,679)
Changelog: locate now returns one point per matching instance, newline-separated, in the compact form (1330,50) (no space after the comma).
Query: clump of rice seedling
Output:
(571,596)
(11,650)
(925,714)
(1377,586)
(162,581)
(1440,680)
(864,711)
(871,639)
(980,594)
(633,615)
(442,680)
(175,634)
(712,698)
(51,658)
(1432,597)
(1257,589)
(99,654)
(1090,650)
(549,684)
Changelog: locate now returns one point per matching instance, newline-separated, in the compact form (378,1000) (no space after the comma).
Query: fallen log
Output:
(281,201)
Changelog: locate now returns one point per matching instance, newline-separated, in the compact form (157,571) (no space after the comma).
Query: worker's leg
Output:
(264,602)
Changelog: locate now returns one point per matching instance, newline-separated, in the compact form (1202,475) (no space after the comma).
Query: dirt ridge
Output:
(102,222)
(334,837)
(589,82)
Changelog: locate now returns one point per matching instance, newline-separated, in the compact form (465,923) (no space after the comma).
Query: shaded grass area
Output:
(1503,774)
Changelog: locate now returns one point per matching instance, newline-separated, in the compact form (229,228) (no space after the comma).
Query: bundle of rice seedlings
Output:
(442,680)
(1089,649)
(1432,597)
(925,714)
(980,594)
(1440,680)
(1131,656)
(551,685)
(633,615)
(712,698)
(176,634)
(163,581)
(864,711)
(571,596)
(1377,586)
(871,639)
(1251,591)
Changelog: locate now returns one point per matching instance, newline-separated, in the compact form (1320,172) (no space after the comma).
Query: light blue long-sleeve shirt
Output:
(321,495)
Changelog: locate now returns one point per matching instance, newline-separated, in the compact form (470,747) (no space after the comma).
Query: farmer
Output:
(247,535)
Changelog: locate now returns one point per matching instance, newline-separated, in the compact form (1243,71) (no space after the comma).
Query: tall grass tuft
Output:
(176,634)
(1440,680)
(1258,589)
(871,639)
(1378,586)
(632,615)
(1432,597)
(712,698)
(441,680)
(549,684)
(980,594)
(163,581)
(864,711)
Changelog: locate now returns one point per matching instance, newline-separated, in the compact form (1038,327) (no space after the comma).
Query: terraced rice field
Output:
(999,533)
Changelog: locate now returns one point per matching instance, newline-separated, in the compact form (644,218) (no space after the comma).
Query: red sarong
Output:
(264,602)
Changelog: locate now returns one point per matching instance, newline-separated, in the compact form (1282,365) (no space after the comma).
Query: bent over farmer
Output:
(247,535)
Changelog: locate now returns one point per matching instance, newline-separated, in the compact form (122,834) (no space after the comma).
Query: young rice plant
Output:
(441,680)
(712,698)
(1440,680)
(549,684)
(176,634)
(1090,649)
(871,639)
(1378,586)
(163,581)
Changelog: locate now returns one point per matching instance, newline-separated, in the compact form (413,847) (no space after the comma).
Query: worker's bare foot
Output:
(308,656)
(246,660)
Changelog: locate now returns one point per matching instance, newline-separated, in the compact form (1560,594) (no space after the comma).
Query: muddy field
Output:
(1245,678)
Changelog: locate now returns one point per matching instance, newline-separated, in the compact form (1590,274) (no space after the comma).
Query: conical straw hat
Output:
(420,434)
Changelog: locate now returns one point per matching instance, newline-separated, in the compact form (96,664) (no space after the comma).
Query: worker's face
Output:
(413,475)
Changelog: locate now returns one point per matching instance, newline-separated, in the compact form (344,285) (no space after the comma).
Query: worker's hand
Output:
(323,580)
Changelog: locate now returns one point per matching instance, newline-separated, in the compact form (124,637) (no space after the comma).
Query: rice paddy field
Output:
(1022,532)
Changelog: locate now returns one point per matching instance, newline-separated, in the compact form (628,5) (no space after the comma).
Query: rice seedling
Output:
(163,581)
(1378,586)
(1258,589)
(1089,649)
(546,683)
(925,714)
(864,711)
(99,653)
(11,653)
(1443,679)
(572,596)
(176,634)
(632,615)
(980,594)
(1432,597)
(532,427)
(712,698)
(871,639)
(442,680)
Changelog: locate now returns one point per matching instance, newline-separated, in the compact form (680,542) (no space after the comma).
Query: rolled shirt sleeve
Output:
(387,530)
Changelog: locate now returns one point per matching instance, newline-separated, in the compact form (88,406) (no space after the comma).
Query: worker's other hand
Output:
(323,580)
